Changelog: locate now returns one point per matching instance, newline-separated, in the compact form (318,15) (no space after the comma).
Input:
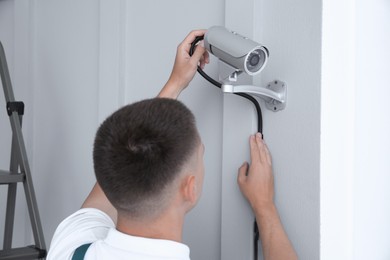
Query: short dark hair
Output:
(140,149)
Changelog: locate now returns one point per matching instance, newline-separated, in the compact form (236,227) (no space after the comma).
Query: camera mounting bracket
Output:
(274,94)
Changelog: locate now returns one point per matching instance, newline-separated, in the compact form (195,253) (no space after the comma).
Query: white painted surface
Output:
(372,128)
(152,37)
(292,32)
(65,54)
(238,123)
(337,129)
(355,170)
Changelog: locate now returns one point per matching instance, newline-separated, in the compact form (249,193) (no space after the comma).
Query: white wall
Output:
(354,142)
(238,123)
(152,37)
(372,128)
(337,129)
(292,33)
(65,82)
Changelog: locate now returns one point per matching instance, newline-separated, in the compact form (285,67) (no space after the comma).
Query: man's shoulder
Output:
(85,226)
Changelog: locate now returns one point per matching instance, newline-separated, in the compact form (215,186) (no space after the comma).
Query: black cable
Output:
(200,71)
(256,236)
(259,129)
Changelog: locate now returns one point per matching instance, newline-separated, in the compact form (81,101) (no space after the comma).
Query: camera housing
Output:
(236,50)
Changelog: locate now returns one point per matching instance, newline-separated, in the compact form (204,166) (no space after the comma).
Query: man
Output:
(148,161)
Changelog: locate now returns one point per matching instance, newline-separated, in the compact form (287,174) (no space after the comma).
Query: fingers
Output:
(191,37)
(267,154)
(199,55)
(259,150)
(263,149)
(206,57)
(204,60)
(242,172)
(260,144)
(254,149)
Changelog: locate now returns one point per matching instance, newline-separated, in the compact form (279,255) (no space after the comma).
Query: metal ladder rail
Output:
(18,160)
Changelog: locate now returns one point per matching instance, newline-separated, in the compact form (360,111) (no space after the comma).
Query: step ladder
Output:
(15,110)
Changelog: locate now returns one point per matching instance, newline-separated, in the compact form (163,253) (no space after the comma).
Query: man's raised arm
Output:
(183,72)
(185,66)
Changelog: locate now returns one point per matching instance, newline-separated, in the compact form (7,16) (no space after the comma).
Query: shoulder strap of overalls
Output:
(79,253)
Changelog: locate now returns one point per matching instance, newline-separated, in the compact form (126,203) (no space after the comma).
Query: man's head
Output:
(143,155)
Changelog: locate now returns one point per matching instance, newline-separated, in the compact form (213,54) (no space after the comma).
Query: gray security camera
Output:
(236,50)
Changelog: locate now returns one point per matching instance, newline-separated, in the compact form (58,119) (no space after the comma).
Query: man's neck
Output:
(168,226)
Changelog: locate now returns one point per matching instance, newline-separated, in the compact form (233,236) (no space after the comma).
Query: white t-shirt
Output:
(94,226)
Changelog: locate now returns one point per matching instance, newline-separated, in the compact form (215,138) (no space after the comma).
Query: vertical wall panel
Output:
(66,49)
(337,129)
(292,33)
(154,29)
(291,30)
(372,126)
(112,58)
(239,123)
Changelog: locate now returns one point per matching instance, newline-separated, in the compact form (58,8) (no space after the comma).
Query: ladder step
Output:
(7,177)
(28,252)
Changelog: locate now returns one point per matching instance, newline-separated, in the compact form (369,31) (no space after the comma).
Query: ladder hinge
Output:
(16,106)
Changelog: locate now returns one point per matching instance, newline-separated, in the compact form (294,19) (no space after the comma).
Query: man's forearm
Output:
(170,90)
(275,243)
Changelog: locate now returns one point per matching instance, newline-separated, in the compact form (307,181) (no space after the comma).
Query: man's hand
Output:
(257,184)
(185,65)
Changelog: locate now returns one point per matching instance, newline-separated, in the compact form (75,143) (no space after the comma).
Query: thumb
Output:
(242,172)
(198,53)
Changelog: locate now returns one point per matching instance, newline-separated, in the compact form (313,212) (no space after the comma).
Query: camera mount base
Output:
(274,94)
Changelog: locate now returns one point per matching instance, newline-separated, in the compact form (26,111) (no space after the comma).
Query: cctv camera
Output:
(236,50)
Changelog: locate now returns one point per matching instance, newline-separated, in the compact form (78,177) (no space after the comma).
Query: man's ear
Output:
(189,189)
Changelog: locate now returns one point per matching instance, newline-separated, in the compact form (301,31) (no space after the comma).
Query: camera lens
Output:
(254,60)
